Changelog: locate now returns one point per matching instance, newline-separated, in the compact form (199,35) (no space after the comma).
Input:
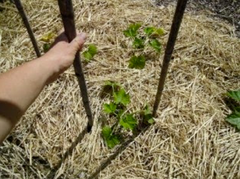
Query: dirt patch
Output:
(228,10)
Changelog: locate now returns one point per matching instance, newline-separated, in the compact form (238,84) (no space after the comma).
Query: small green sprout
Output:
(90,52)
(137,62)
(234,117)
(132,30)
(156,45)
(128,122)
(111,139)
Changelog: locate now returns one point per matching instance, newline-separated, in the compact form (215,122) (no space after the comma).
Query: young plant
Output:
(117,110)
(47,39)
(90,52)
(132,30)
(140,41)
(234,117)
(111,139)
(137,62)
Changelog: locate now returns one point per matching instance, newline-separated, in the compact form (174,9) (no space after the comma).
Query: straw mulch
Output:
(190,138)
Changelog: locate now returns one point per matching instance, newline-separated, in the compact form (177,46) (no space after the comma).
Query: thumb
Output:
(77,43)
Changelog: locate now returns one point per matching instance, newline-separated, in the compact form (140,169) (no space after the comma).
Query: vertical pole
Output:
(66,10)
(27,25)
(181,6)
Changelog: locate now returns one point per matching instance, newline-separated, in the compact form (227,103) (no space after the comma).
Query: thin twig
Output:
(28,27)
(67,14)
(181,6)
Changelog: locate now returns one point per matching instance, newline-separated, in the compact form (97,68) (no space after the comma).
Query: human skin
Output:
(20,86)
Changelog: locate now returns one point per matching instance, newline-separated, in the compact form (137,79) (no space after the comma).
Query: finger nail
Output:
(83,36)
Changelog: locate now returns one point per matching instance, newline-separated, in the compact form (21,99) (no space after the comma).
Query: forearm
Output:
(19,87)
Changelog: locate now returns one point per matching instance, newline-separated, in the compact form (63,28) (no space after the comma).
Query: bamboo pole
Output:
(66,10)
(27,25)
(181,6)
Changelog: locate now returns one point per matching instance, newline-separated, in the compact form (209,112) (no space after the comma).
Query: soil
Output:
(228,10)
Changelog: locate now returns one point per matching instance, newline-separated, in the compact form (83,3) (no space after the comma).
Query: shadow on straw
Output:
(67,153)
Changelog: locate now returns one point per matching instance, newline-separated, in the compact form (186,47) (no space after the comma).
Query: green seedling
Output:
(132,30)
(121,97)
(156,45)
(111,139)
(90,52)
(128,122)
(234,117)
(137,62)
(109,108)
(153,31)
(138,43)
(47,39)
(147,115)
(140,40)
(123,120)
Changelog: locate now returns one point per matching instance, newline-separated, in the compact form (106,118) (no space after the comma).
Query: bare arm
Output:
(20,86)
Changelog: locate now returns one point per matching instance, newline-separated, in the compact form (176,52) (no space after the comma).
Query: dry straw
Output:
(190,138)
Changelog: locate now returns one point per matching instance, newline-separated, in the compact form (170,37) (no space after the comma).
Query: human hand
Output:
(61,56)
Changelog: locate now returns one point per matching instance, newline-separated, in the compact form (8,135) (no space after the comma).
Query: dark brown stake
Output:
(27,25)
(67,14)
(181,5)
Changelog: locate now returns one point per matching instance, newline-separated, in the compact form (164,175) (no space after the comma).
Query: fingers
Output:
(78,41)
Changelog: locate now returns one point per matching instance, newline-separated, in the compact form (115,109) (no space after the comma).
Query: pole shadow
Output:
(68,153)
(119,150)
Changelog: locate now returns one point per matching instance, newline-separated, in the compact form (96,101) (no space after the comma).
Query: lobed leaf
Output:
(149,30)
(156,45)
(234,95)
(111,139)
(132,30)
(147,115)
(121,97)
(153,31)
(90,52)
(128,122)
(138,43)
(137,62)
(234,119)
(109,108)
(47,37)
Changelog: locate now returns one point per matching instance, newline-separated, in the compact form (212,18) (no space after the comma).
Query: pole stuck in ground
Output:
(27,25)
(66,10)
(178,16)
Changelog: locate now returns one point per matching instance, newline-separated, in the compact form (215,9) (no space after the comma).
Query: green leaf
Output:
(132,30)
(137,62)
(234,119)
(106,132)
(159,32)
(88,56)
(121,97)
(153,31)
(234,95)
(128,122)
(138,43)
(48,37)
(90,52)
(156,45)
(149,30)
(92,49)
(147,115)
(109,108)
(46,47)
(110,139)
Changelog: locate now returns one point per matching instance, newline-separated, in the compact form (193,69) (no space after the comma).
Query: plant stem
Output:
(181,5)
(27,25)
(66,10)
